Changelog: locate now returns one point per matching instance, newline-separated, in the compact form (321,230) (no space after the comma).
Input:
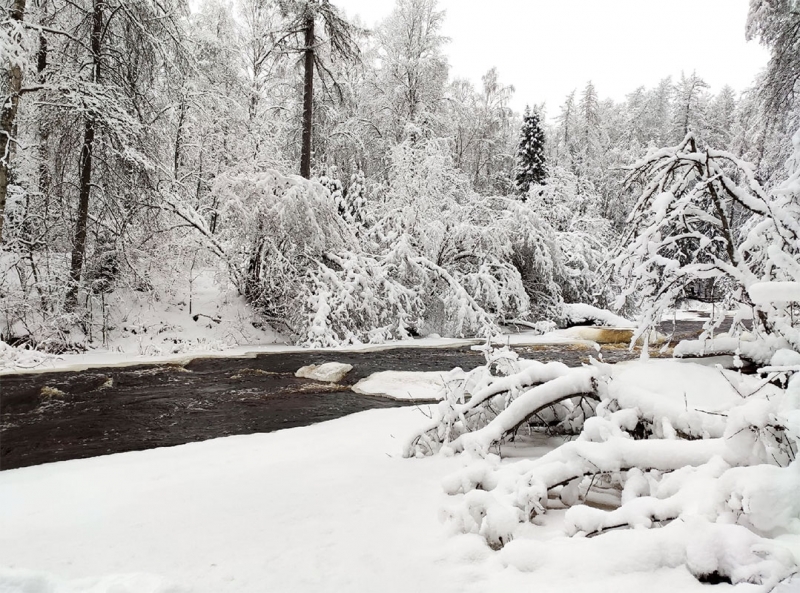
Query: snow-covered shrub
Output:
(712,453)
(328,179)
(32,294)
(355,201)
(274,231)
(683,229)
(569,205)
(354,298)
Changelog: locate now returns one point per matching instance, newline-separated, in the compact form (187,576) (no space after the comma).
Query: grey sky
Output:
(546,48)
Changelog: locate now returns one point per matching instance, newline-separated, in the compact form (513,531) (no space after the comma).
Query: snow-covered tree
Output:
(303,17)
(689,107)
(413,71)
(355,200)
(703,215)
(12,62)
(531,168)
(721,118)
(567,131)
(777,25)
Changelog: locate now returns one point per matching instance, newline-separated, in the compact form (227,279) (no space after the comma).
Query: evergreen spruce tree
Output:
(355,201)
(530,169)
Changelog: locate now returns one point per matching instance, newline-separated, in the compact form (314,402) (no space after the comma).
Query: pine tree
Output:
(531,169)
(355,201)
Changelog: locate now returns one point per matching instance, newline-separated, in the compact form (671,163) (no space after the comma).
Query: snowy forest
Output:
(143,142)
(180,177)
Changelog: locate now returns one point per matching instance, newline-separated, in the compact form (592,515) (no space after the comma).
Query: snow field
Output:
(312,509)
(331,507)
(335,507)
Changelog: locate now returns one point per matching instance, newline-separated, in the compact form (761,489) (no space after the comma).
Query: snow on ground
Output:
(691,385)
(407,385)
(329,507)
(31,362)
(207,315)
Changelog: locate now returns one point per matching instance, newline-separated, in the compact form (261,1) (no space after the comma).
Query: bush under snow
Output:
(707,455)
(431,257)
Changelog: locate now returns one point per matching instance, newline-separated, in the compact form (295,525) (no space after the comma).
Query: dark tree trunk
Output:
(8,117)
(308,97)
(79,246)
(44,171)
(179,137)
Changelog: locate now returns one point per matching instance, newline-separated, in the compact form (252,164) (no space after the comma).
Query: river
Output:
(58,416)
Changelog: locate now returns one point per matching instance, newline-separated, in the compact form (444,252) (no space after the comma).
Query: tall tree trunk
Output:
(179,136)
(44,171)
(8,117)
(308,97)
(79,245)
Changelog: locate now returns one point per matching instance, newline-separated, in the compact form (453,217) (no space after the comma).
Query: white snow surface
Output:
(580,313)
(407,385)
(774,292)
(330,507)
(329,372)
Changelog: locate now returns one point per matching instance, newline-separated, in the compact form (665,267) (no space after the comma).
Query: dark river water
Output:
(58,416)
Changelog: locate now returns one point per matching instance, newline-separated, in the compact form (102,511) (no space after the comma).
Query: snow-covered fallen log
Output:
(499,397)
(708,452)
(583,314)
(747,348)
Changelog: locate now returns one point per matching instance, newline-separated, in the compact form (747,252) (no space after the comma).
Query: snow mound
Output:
(14,580)
(329,372)
(12,358)
(679,390)
(407,385)
(582,314)
(774,292)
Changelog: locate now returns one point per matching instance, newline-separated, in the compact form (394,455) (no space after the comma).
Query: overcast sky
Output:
(546,48)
